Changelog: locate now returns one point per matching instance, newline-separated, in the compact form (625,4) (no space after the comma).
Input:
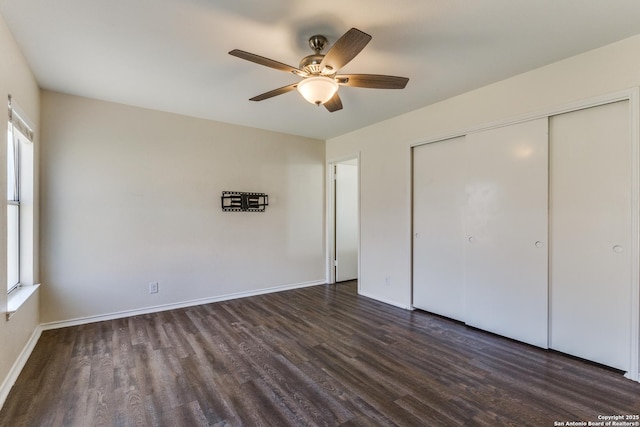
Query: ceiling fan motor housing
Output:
(311,64)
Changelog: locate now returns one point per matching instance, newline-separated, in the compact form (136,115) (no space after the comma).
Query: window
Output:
(19,200)
(13,211)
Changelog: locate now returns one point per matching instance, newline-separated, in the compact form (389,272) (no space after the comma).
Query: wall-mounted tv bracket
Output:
(238,201)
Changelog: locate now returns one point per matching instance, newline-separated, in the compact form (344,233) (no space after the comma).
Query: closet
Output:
(525,230)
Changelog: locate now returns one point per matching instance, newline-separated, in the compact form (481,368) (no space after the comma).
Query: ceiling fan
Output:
(319,72)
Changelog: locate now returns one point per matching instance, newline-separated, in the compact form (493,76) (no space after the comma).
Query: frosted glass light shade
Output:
(317,90)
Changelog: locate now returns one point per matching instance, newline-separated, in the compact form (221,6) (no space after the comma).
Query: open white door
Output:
(346,220)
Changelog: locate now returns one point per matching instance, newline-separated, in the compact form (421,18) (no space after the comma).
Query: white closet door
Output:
(438,226)
(590,231)
(506,248)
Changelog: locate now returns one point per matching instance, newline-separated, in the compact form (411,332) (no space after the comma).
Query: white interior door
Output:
(346,218)
(438,227)
(506,215)
(591,226)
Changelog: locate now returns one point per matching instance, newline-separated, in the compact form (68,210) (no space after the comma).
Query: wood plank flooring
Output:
(315,356)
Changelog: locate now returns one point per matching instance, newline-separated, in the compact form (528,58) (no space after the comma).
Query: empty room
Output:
(320,213)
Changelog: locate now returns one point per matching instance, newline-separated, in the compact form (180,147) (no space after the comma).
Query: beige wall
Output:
(386,154)
(131,196)
(15,79)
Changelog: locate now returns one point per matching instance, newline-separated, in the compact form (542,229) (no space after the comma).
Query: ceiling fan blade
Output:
(264,61)
(334,104)
(374,81)
(345,49)
(275,92)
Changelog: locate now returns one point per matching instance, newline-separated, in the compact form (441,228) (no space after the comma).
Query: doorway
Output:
(344,211)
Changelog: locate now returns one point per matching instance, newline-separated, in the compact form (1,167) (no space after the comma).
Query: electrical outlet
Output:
(153,287)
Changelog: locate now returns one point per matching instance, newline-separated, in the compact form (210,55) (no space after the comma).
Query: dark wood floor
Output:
(314,356)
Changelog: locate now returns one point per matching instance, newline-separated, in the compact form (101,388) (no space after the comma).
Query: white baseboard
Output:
(15,370)
(393,303)
(172,306)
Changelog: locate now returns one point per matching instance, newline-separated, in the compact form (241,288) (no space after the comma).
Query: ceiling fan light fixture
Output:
(318,89)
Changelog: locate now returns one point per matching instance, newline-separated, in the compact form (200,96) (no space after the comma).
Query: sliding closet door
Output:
(506,217)
(438,226)
(590,232)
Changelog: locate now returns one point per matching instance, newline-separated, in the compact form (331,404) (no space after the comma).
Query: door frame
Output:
(331,216)
(633,96)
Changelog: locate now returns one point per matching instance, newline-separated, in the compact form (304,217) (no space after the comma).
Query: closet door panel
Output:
(506,218)
(438,226)
(590,232)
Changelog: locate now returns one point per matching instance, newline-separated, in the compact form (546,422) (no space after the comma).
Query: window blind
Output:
(18,122)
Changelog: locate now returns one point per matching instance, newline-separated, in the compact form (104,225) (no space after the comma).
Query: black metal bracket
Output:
(238,201)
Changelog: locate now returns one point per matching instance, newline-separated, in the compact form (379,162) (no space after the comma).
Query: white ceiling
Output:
(171,55)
